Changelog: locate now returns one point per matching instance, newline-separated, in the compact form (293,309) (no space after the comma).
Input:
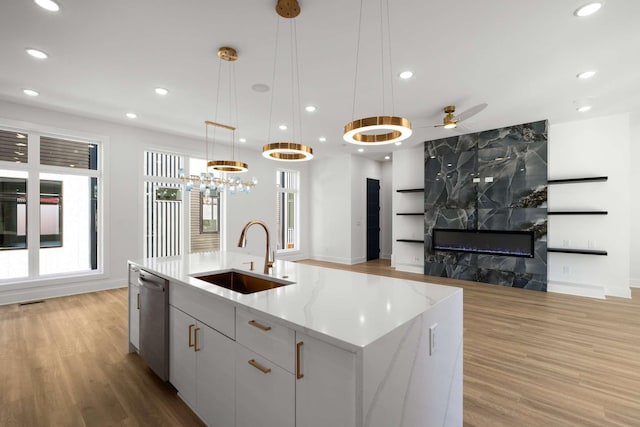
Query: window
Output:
(49,205)
(287,182)
(163,212)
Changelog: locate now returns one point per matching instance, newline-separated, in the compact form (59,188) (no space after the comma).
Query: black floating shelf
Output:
(576,180)
(411,190)
(577,213)
(410,240)
(577,251)
(410,213)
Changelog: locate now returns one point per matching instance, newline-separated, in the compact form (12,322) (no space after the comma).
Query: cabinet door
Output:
(182,358)
(264,392)
(215,377)
(134,317)
(326,393)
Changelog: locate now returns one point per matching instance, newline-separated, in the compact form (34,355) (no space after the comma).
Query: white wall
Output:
(123,154)
(408,172)
(261,204)
(634,199)
(331,209)
(338,207)
(386,214)
(361,169)
(593,147)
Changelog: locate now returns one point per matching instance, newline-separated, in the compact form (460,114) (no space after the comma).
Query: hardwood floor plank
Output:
(531,359)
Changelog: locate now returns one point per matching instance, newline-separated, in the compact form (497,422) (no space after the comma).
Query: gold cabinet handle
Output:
(195,339)
(259,326)
(299,373)
(191,334)
(138,295)
(259,367)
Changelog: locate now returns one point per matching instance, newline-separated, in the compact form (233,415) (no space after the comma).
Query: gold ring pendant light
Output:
(288,151)
(230,55)
(376,130)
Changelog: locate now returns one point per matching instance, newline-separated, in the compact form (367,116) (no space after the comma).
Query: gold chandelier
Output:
(209,181)
(383,129)
(288,151)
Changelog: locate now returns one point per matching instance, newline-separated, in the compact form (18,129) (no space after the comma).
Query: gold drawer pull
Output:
(299,373)
(195,339)
(258,366)
(191,334)
(259,326)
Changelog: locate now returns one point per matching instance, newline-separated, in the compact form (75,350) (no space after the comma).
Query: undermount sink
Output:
(240,282)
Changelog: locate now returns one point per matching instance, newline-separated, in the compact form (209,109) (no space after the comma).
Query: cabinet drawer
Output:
(267,338)
(265,393)
(206,308)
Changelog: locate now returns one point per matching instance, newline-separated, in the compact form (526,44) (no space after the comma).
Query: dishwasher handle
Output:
(150,284)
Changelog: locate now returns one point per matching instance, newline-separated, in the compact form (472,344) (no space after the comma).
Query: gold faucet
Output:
(243,242)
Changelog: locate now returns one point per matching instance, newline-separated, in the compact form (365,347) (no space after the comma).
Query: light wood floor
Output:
(530,359)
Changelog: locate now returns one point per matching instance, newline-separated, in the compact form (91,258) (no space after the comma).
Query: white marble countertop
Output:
(349,309)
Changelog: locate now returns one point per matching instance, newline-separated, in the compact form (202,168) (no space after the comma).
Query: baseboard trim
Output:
(13,296)
(410,268)
(577,289)
(620,293)
(634,283)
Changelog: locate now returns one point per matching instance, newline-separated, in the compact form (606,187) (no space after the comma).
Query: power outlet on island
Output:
(433,339)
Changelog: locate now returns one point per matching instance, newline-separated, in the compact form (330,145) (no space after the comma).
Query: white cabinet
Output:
(325,385)
(134,310)
(264,392)
(201,366)
(265,384)
(182,357)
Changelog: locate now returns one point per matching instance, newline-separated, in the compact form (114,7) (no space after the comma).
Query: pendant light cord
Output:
(355,77)
(298,107)
(393,103)
(273,79)
(215,114)
(382,64)
(237,117)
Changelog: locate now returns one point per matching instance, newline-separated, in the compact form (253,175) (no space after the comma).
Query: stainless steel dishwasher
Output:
(154,322)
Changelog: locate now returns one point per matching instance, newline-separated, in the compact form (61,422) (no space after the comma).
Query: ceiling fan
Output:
(450,121)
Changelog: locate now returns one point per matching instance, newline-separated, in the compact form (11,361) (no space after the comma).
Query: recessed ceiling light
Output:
(49,5)
(406,75)
(243,140)
(322,139)
(30,92)
(360,150)
(587,9)
(283,127)
(586,74)
(310,108)
(399,143)
(387,157)
(36,53)
(161,91)
(584,108)
(260,87)
(132,115)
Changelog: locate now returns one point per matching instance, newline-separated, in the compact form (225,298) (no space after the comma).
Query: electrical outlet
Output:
(566,243)
(433,339)
(566,270)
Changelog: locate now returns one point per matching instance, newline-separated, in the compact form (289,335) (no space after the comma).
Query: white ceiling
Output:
(521,57)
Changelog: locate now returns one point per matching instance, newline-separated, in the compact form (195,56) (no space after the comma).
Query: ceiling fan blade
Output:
(471,111)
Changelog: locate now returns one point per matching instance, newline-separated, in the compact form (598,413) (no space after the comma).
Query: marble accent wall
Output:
(490,180)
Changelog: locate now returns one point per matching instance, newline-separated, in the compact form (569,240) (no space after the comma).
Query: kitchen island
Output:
(329,348)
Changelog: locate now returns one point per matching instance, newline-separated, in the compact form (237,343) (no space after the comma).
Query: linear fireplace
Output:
(508,243)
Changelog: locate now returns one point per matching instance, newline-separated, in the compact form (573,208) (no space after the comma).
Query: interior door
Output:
(373,219)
